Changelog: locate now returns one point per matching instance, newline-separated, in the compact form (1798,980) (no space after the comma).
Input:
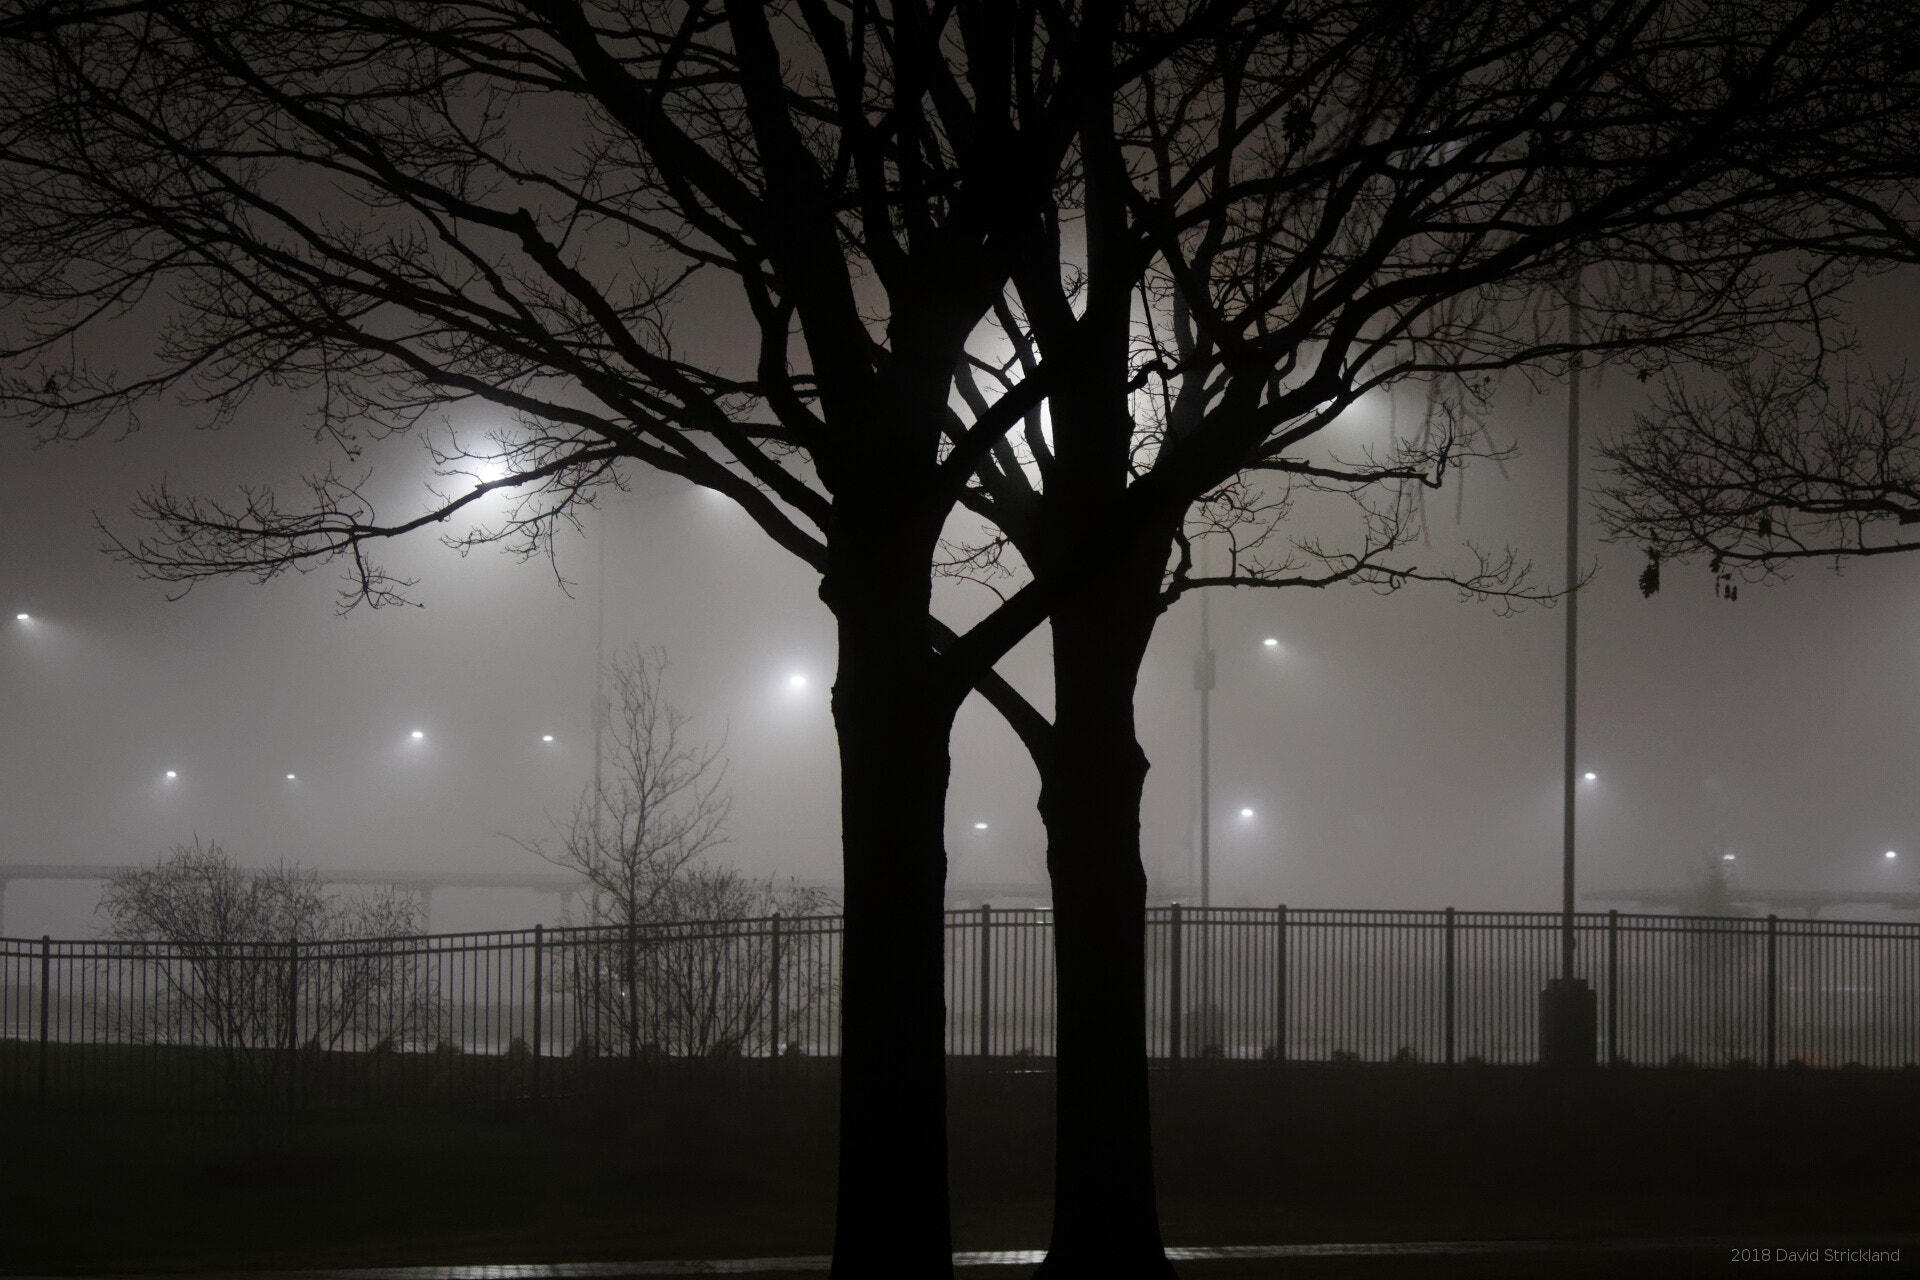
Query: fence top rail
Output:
(12,948)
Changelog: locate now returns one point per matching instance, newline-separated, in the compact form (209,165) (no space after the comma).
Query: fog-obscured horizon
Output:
(1395,751)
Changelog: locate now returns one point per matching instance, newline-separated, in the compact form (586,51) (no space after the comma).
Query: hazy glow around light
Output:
(1592,776)
(172,774)
(1892,854)
(981,826)
(1726,857)
(1271,643)
(797,681)
(1246,813)
(417,735)
(546,737)
(22,617)
(289,777)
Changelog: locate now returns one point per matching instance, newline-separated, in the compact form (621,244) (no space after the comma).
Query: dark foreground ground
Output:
(737,1162)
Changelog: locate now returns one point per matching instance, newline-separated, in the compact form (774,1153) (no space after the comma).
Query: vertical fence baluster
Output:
(1773,991)
(293,1017)
(982,1038)
(1613,988)
(773,987)
(46,990)
(1280,1001)
(539,998)
(1175,1001)
(1449,981)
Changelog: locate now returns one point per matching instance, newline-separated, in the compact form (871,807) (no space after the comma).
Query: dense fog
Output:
(1384,751)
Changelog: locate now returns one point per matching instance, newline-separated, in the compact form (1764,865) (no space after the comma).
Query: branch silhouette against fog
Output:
(639,835)
(632,836)
(259,962)
(1100,276)
(1778,466)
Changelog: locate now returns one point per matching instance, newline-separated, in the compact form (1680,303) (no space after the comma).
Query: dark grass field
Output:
(736,1160)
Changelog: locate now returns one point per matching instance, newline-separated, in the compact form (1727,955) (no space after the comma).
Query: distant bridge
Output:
(1811,901)
(422,884)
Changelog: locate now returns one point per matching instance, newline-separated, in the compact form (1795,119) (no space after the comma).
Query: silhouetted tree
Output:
(1191,233)
(1299,206)
(261,962)
(632,835)
(1775,466)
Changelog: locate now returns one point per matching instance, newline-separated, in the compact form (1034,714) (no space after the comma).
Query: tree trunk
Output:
(1105,1216)
(893,724)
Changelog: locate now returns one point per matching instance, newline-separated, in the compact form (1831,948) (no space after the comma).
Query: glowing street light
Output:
(546,737)
(1726,857)
(172,774)
(1892,854)
(418,735)
(289,777)
(796,681)
(1591,776)
(23,617)
(1271,643)
(1246,813)
(981,826)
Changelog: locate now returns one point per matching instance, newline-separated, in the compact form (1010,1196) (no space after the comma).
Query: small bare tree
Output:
(259,960)
(653,808)
(709,972)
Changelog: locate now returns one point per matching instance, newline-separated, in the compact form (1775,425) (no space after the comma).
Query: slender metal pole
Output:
(1280,1004)
(1203,680)
(773,990)
(1449,982)
(1773,991)
(539,996)
(46,992)
(1613,988)
(293,1020)
(1174,982)
(985,993)
(1573,626)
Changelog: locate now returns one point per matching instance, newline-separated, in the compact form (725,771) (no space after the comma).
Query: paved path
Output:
(1877,1255)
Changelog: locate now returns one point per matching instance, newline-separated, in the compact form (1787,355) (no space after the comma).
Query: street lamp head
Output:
(1591,776)
(1271,643)
(796,681)
(981,826)
(1726,857)
(172,774)
(417,735)
(289,777)
(1892,854)
(546,737)
(23,617)
(1246,813)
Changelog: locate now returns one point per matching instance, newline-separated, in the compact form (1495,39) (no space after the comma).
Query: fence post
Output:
(631,974)
(773,988)
(1449,980)
(293,1017)
(46,991)
(1613,987)
(1174,1001)
(1773,991)
(539,998)
(985,980)
(1280,1003)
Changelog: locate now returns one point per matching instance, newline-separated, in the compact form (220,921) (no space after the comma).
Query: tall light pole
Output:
(1203,680)
(1568,1022)
(1573,632)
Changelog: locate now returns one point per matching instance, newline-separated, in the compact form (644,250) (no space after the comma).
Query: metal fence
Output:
(512,1013)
